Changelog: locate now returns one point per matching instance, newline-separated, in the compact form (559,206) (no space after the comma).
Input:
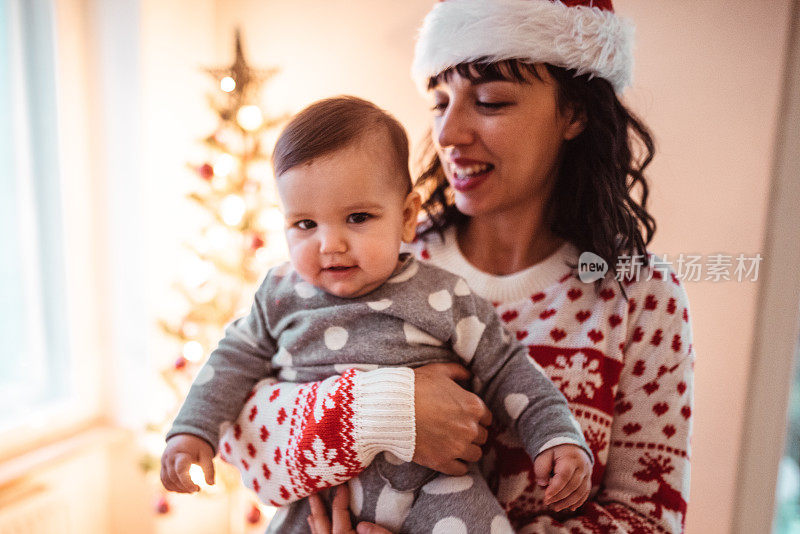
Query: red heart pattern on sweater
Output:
(631,428)
(660,408)
(650,387)
(656,339)
(537,297)
(510,315)
(582,315)
(574,294)
(650,303)
(547,314)
(557,334)
(595,335)
(614,320)
(676,343)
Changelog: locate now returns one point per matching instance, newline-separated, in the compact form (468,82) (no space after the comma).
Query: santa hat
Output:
(585,35)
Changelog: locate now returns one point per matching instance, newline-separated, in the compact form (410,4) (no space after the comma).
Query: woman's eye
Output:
(492,105)
(305,224)
(358,218)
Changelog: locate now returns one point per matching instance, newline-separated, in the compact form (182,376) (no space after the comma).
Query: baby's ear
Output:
(410,211)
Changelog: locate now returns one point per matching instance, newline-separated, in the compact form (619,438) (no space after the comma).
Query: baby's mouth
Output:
(339,268)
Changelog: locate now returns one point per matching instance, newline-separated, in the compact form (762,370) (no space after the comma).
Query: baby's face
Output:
(345,219)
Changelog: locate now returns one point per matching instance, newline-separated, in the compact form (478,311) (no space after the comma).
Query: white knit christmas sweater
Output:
(625,367)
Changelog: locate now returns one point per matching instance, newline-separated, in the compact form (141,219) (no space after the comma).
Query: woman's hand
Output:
(451,421)
(319,522)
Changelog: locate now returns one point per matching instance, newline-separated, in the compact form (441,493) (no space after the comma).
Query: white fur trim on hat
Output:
(589,40)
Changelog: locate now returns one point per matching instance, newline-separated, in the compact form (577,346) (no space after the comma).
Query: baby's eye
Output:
(305,224)
(358,218)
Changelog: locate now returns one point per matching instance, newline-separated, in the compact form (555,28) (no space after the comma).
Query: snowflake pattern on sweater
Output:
(625,367)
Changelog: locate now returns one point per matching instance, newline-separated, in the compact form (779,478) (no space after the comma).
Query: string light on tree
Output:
(226,257)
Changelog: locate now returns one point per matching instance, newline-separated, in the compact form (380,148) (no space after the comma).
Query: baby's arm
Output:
(218,393)
(521,395)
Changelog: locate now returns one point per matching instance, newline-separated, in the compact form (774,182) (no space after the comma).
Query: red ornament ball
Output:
(206,171)
(180,363)
(162,505)
(257,242)
(254,515)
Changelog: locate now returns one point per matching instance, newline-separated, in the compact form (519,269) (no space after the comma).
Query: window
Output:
(34,347)
(787,498)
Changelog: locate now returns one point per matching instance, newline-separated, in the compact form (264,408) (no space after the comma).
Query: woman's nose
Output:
(332,241)
(453,128)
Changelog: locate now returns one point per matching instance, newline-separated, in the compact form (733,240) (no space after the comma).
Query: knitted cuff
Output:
(383,413)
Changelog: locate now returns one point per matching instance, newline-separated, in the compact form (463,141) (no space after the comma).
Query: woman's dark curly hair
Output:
(593,204)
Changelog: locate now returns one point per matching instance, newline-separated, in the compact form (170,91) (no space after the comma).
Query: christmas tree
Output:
(228,254)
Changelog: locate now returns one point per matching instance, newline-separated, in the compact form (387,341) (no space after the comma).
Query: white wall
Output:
(707,82)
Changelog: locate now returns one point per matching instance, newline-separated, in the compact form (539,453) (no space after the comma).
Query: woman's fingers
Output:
(450,420)
(472,453)
(341,511)
(318,521)
(371,528)
(454,468)
(483,435)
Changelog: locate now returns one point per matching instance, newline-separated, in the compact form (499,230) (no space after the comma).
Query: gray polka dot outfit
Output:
(421,315)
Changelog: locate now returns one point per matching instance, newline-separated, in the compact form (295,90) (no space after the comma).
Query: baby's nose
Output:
(332,241)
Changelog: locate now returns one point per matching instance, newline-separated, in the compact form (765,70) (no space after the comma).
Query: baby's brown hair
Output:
(336,123)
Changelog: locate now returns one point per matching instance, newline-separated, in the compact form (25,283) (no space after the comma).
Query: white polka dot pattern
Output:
(408,274)
(287,373)
(305,290)
(393,507)
(342,367)
(356,495)
(392,459)
(441,300)
(461,289)
(335,337)
(415,336)
(283,358)
(444,485)
(500,525)
(205,375)
(380,305)
(468,335)
(515,403)
(450,525)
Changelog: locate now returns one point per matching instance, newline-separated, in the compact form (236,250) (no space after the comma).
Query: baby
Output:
(349,298)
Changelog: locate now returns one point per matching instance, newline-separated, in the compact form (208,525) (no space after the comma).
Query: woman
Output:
(532,164)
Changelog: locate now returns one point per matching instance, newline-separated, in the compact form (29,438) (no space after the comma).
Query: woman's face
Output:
(499,141)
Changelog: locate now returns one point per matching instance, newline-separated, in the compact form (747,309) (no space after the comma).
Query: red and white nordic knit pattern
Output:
(285,443)
(625,367)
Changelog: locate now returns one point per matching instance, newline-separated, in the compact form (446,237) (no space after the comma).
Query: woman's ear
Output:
(576,124)
(410,211)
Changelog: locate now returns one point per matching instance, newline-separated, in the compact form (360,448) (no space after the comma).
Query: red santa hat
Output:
(585,35)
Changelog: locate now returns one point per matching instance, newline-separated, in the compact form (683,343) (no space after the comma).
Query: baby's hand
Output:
(181,452)
(572,476)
